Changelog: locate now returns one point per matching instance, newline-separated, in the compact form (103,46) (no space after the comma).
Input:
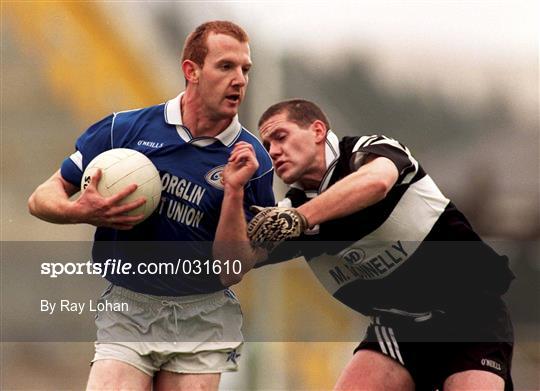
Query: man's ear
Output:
(320,131)
(191,71)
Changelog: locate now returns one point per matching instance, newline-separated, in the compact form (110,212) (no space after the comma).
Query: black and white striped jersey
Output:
(411,252)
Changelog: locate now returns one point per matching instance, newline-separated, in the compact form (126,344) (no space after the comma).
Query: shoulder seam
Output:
(112,130)
(258,141)
(263,174)
(115,114)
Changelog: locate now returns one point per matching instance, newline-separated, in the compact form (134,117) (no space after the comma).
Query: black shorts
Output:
(433,346)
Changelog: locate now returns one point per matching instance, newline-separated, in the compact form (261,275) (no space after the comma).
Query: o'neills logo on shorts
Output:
(490,363)
(215,177)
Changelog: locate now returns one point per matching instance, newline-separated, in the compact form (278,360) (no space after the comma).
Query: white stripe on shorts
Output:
(393,338)
(379,339)
(388,343)
(387,340)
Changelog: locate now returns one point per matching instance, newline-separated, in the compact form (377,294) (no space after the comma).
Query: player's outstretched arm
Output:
(364,187)
(50,202)
(231,241)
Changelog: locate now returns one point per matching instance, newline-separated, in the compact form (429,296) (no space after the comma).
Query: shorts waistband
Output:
(180,300)
(392,314)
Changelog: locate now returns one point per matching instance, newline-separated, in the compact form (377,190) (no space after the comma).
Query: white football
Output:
(121,167)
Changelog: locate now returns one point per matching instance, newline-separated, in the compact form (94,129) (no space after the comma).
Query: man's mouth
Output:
(233,98)
(279,165)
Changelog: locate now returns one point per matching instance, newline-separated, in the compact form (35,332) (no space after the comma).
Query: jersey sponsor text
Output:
(187,192)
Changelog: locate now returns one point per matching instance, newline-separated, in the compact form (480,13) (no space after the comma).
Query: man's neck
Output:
(310,183)
(197,120)
(311,180)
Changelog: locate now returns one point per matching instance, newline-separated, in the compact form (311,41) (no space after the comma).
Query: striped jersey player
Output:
(383,239)
(369,256)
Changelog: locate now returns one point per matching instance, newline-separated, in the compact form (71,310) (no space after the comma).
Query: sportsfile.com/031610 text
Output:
(119,267)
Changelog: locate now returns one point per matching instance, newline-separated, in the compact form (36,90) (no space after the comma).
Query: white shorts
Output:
(187,334)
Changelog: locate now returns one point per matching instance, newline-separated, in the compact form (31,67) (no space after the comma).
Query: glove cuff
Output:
(304,225)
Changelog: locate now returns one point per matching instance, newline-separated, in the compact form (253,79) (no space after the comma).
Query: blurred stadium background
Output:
(456,81)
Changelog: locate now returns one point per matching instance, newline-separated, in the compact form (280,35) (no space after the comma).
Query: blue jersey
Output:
(192,193)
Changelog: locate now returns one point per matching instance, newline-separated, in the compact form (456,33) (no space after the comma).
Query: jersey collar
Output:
(331,153)
(173,116)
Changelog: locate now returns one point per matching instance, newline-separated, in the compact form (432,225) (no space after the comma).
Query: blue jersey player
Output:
(166,339)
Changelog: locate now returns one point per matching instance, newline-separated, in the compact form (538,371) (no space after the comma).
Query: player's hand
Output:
(271,226)
(92,208)
(241,166)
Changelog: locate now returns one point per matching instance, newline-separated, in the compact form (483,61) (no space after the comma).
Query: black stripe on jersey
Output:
(420,173)
(368,140)
(376,138)
(400,158)
(357,225)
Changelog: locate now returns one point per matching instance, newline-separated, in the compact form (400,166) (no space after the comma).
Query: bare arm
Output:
(231,241)
(364,187)
(367,186)
(50,202)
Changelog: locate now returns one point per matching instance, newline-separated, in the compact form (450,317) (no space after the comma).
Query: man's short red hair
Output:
(195,47)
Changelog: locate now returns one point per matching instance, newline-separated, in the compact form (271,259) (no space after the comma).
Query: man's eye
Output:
(226,66)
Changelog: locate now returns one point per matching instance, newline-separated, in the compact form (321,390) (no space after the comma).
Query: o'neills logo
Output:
(490,363)
(215,177)
(150,144)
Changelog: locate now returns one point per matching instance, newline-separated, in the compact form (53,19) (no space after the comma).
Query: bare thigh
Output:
(171,381)
(117,375)
(370,370)
(474,380)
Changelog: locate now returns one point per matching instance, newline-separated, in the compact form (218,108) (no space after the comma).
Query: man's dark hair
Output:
(300,111)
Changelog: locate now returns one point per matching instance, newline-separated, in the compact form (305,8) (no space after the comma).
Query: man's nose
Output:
(274,151)
(240,78)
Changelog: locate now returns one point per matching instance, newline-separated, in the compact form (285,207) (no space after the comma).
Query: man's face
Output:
(224,76)
(293,149)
